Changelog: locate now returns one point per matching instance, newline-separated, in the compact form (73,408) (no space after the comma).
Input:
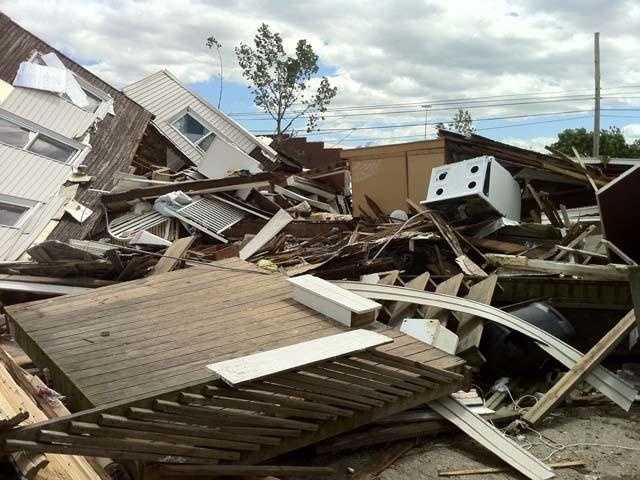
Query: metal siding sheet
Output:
(50,111)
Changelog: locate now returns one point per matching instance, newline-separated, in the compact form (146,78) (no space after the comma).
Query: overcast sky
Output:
(378,53)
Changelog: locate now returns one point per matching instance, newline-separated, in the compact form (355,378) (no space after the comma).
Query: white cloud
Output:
(382,53)
(631,132)
(536,144)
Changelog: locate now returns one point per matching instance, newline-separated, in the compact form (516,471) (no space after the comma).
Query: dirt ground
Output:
(579,429)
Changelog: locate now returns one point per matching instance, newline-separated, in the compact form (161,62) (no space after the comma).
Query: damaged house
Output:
(188,130)
(63,135)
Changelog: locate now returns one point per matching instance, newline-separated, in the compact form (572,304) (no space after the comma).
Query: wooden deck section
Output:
(146,337)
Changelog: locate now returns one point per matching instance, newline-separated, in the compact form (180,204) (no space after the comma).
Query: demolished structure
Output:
(207,303)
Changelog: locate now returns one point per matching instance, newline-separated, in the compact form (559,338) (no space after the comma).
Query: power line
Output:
(466,107)
(402,125)
(467,100)
(511,125)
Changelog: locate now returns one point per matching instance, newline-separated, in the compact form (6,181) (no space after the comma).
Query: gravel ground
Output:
(606,426)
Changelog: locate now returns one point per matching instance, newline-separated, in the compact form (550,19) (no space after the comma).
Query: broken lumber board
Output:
(605,272)
(280,360)
(470,327)
(32,386)
(619,391)
(274,226)
(492,439)
(448,287)
(60,467)
(487,470)
(590,360)
(398,309)
(173,256)
(342,305)
(469,267)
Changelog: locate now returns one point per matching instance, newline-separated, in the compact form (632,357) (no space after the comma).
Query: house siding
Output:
(114,142)
(49,111)
(32,177)
(166,98)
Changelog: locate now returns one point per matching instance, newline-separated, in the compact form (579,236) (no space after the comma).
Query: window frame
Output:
(28,205)
(198,119)
(36,131)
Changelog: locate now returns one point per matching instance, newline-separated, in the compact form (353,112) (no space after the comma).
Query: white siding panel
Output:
(13,241)
(163,96)
(32,177)
(50,111)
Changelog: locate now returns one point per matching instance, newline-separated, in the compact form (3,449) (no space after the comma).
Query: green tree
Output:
(612,143)
(279,81)
(461,123)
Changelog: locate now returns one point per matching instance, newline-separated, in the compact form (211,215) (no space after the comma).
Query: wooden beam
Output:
(605,272)
(260,365)
(173,255)
(470,327)
(270,230)
(590,360)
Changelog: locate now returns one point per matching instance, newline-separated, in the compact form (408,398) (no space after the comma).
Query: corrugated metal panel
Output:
(26,175)
(163,96)
(212,214)
(127,225)
(50,111)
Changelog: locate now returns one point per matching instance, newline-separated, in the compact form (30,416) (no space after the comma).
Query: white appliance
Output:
(477,184)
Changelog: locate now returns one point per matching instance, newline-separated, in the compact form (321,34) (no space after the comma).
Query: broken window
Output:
(194,131)
(13,134)
(51,148)
(11,214)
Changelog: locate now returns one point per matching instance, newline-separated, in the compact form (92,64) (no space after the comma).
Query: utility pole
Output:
(596,109)
(426,118)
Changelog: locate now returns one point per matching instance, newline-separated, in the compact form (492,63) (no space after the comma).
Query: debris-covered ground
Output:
(183,296)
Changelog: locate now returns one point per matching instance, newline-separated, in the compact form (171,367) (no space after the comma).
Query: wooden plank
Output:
(13,400)
(342,305)
(173,256)
(399,310)
(590,360)
(492,439)
(470,327)
(605,272)
(270,230)
(260,365)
